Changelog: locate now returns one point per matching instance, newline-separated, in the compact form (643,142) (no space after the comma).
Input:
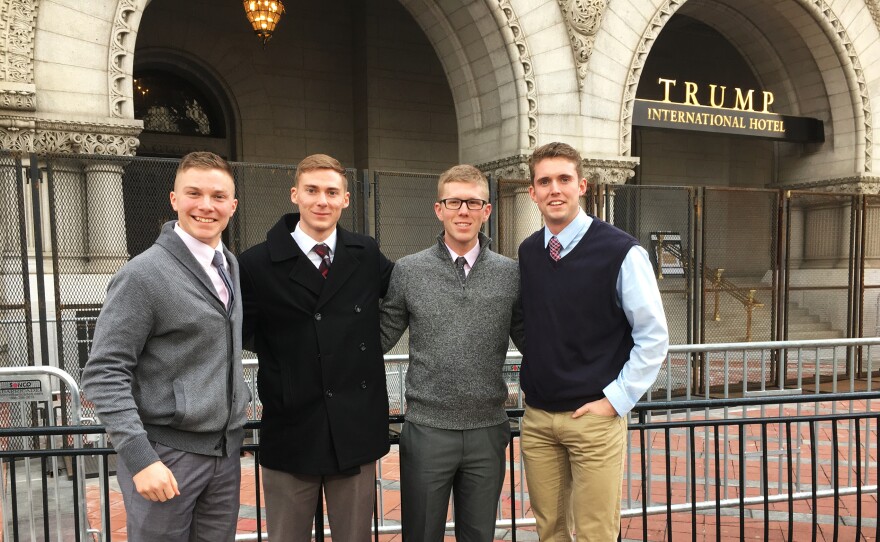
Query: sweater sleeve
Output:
(122,330)
(394,314)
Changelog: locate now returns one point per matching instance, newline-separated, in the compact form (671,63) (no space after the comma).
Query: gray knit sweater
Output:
(458,334)
(165,364)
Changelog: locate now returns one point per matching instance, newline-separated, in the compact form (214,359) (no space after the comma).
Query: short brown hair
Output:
(320,161)
(462,173)
(204,160)
(556,150)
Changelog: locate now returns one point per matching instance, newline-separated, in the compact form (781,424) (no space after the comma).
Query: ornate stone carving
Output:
(823,11)
(857,184)
(121,50)
(582,18)
(510,168)
(635,70)
(25,100)
(525,58)
(818,7)
(47,136)
(874,8)
(610,171)
(18,21)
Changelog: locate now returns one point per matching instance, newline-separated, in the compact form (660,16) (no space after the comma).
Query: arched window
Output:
(169,104)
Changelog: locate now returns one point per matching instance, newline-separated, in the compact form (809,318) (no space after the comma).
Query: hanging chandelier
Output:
(263,15)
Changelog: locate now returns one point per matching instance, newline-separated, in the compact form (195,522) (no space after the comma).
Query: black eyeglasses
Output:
(454,204)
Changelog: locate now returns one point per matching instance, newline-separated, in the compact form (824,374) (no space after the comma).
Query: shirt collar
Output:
(470,256)
(202,252)
(580,224)
(306,243)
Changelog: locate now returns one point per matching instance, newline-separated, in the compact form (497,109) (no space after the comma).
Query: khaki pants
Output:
(574,470)
(292,500)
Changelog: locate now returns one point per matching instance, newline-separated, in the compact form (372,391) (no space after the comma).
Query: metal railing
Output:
(767,454)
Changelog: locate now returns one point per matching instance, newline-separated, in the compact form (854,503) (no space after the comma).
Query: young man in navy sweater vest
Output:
(596,336)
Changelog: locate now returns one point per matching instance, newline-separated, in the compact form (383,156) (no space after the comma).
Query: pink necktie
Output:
(555,247)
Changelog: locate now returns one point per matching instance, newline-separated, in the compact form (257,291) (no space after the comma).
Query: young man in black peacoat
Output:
(311,312)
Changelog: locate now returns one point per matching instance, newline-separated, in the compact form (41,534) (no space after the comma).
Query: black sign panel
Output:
(654,114)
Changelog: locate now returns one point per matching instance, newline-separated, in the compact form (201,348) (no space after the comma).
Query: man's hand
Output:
(602,407)
(156,483)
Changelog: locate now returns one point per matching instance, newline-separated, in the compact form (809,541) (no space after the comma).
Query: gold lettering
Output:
(768,99)
(744,103)
(753,124)
(712,96)
(781,126)
(666,83)
(690,93)
(690,117)
(717,120)
(652,113)
(738,122)
(727,121)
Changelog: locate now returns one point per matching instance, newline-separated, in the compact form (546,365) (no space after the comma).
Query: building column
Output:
(107,248)
(825,222)
(607,174)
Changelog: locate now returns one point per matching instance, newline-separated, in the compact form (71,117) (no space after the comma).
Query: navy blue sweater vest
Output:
(577,337)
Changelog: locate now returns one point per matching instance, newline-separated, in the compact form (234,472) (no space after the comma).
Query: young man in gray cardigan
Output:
(164,372)
(460,302)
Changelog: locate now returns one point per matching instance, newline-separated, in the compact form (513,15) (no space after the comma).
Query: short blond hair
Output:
(204,160)
(462,173)
(320,161)
(556,150)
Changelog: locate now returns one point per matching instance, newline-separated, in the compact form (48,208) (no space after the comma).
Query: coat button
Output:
(357,308)
(317,316)
(329,394)
(363,347)
(363,384)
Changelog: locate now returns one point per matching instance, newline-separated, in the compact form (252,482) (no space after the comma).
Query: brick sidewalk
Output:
(682,525)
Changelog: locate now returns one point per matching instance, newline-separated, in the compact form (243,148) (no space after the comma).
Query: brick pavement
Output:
(681,526)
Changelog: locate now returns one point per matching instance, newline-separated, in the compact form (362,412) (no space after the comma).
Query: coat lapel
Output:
(283,250)
(171,242)
(345,263)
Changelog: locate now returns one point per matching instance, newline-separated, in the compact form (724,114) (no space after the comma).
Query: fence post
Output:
(365,200)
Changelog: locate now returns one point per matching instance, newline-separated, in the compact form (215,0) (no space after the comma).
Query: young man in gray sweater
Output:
(460,301)
(164,372)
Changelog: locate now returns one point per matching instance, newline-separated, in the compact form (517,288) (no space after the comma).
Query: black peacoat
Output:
(321,373)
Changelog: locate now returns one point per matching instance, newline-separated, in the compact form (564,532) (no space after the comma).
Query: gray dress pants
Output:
(469,463)
(206,509)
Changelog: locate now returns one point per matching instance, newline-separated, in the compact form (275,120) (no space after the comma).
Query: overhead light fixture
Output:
(263,15)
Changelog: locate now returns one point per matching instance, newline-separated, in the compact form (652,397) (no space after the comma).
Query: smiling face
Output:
(461,227)
(321,197)
(205,201)
(557,189)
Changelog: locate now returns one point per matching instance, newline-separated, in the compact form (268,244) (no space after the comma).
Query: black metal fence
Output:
(732,264)
(771,476)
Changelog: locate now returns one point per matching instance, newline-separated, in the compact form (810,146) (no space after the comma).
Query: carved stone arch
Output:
(123,35)
(485,74)
(833,30)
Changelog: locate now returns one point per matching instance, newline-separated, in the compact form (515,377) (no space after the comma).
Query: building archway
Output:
(784,47)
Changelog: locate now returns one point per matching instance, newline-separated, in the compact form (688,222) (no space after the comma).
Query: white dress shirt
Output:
(204,254)
(639,297)
(307,245)
(470,257)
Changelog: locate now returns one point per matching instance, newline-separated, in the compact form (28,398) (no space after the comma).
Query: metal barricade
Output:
(30,394)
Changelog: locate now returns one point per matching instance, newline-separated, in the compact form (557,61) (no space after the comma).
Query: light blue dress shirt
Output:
(639,297)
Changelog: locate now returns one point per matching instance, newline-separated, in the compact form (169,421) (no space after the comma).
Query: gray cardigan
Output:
(165,364)
(458,334)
